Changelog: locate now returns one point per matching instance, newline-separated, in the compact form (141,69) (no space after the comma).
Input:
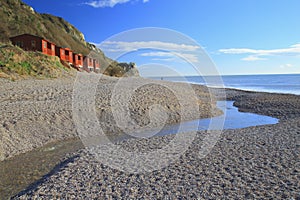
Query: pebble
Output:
(255,163)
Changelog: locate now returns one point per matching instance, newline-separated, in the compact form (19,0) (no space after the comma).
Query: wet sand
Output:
(17,173)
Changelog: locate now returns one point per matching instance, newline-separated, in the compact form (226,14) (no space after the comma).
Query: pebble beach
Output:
(259,162)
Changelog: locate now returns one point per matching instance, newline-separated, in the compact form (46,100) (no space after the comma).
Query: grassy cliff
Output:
(18,18)
(15,63)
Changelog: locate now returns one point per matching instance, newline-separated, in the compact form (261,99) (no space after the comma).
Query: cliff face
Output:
(18,18)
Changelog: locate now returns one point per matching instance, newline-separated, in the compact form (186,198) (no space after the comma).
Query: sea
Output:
(273,83)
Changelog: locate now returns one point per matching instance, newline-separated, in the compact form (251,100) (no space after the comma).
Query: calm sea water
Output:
(279,83)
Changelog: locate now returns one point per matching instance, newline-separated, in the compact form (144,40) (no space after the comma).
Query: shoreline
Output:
(249,90)
(245,101)
(231,84)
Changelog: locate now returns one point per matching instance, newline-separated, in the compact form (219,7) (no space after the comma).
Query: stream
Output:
(17,173)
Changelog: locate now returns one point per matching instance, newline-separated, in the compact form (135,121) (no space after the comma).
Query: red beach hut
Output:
(30,42)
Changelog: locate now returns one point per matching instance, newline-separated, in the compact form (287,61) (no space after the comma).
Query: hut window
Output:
(18,43)
(45,44)
(33,43)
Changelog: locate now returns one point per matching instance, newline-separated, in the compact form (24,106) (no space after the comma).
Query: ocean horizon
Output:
(271,83)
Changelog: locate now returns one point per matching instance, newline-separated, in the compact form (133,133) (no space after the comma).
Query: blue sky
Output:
(241,37)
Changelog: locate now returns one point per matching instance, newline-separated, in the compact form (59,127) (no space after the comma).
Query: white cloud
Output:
(171,56)
(158,53)
(256,54)
(119,46)
(252,58)
(109,3)
(165,59)
(285,66)
(163,51)
(294,49)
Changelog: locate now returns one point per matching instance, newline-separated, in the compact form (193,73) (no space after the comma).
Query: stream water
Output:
(232,119)
(19,172)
